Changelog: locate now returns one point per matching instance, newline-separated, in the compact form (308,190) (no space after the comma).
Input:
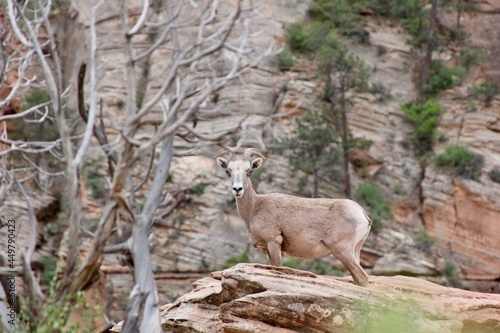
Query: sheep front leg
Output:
(274,251)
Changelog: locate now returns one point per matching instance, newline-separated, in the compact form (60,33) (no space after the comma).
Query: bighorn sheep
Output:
(301,227)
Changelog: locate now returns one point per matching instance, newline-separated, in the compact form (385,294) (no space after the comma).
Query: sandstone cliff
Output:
(256,298)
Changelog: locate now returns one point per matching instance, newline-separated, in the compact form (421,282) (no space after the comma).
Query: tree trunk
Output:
(316,183)
(345,145)
(427,64)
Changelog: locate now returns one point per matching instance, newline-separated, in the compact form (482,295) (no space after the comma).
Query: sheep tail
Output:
(370,222)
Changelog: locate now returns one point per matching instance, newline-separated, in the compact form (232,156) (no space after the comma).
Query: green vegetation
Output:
(345,76)
(399,189)
(299,37)
(494,175)
(381,91)
(315,266)
(395,9)
(53,316)
(234,260)
(35,128)
(471,56)
(451,274)
(97,188)
(486,91)
(342,15)
(424,242)
(313,148)
(285,60)
(94,180)
(386,315)
(442,78)
(197,189)
(470,106)
(316,144)
(417,25)
(49,266)
(371,196)
(460,161)
(39,126)
(425,119)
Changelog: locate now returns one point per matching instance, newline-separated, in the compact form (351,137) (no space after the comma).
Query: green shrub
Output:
(441,78)
(399,189)
(494,175)
(425,119)
(285,60)
(49,265)
(382,91)
(395,9)
(97,187)
(486,91)
(470,106)
(234,260)
(34,130)
(197,189)
(343,15)
(460,161)
(470,56)
(299,37)
(424,241)
(451,274)
(53,316)
(94,180)
(378,208)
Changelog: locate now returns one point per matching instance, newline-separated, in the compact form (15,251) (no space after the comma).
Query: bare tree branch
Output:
(27,112)
(148,172)
(142,19)
(183,96)
(93,83)
(99,132)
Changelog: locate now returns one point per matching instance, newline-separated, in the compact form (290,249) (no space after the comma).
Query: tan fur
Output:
(300,227)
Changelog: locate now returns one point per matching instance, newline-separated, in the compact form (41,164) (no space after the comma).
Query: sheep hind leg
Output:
(348,258)
(357,272)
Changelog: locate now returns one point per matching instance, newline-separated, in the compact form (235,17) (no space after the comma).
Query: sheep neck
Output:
(246,202)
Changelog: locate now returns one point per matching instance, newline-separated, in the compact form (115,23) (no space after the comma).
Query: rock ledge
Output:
(259,298)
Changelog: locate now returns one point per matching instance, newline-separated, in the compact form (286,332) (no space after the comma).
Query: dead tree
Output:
(185,97)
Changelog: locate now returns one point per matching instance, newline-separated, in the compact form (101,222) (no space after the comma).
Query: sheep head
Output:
(240,170)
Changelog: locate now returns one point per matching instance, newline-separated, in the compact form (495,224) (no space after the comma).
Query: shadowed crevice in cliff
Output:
(259,298)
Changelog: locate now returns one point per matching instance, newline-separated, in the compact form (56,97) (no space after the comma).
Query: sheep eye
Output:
(249,173)
(228,173)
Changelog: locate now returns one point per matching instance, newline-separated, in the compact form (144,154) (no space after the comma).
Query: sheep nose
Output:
(237,189)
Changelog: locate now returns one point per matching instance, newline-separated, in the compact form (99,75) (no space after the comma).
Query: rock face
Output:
(462,213)
(465,217)
(258,298)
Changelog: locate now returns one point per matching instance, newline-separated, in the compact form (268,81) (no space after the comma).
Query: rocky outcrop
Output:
(464,216)
(257,298)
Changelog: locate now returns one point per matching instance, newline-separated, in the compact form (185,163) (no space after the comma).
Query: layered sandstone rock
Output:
(464,215)
(257,298)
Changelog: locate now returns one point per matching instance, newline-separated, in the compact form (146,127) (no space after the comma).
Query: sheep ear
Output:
(222,162)
(256,163)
